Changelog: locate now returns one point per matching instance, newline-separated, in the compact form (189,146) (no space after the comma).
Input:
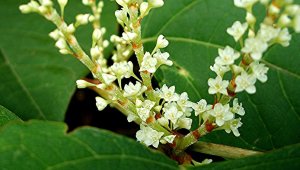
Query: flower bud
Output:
(82,19)
(25,9)
(144,9)
(155,3)
(54,34)
(71,29)
(95,52)
(96,34)
(250,18)
(101,103)
(62,3)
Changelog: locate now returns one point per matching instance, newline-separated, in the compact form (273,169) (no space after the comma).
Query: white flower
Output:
(296,23)
(201,107)
(233,125)
(62,2)
(284,37)
(155,3)
(163,121)
(168,93)
(96,34)
(172,113)
(61,43)
(237,108)
(169,138)
(129,36)
(120,69)
(101,103)
(244,3)
(162,58)
(144,9)
(264,2)
(217,85)
(87,2)
(132,117)
(121,15)
(54,34)
(148,104)
(221,113)
(143,113)
(250,19)
(161,42)
(134,90)
(259,71)
(184,123)
(256,47)
(149,136)
(226,56)
(219,69)
(183,101)
(284,20)
(237,30)
(83,84)
(82,19)
(148,63)
(245,82)
(266,32)
(108,78)
(292,9)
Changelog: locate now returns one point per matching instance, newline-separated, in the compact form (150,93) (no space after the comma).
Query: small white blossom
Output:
(266,32)
(168,93)
(149,63)
(226,56)
(61,43)
(259,71)
(134,90)
(129,36)
(143,113)
(172,113)
(221,113)
(121,15)
(71,29)
(284,20)
(250,19)
(144,9)
(256,47)
(161,42)
(120,69)
(184,123)
(237,30)
(96,34)
(54,34)
(132,117)
(244,3)
(83,84)
(292,9)
(284,37)
(217,85)
(148,104)
(149,136)
(233,125)
(155,3)
(264,2)
(95,52)
(87,2)
(245,82)
(237,108)
(201,107)
(108,78)
(162,58)
(82,19)
(169,138)
(219,69)
(183,101)
(163,121)
(101,103)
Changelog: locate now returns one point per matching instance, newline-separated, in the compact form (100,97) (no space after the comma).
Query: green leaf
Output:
(7,116)
(37,81)
(195,30)
(285,158)
(46,145)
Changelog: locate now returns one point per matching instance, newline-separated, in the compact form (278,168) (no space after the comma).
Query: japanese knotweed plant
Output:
(161,112)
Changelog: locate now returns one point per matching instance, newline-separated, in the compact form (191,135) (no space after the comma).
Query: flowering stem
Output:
(222,150)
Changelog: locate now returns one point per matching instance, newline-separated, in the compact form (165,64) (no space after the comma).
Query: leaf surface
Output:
(36,81)
(45,145)
(195,30)
(7,116)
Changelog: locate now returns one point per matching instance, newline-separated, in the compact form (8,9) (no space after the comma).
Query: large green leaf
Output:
(45,145)
(36,81)
(285,158)
(7,116)
(195,30)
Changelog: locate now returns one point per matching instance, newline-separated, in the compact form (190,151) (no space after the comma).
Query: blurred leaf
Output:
(195,30)
(285,158)
(45,145)
(7,116)
(36,81)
